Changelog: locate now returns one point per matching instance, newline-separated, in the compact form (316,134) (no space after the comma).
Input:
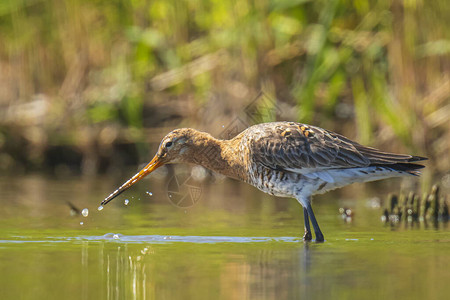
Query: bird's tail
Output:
(410,168)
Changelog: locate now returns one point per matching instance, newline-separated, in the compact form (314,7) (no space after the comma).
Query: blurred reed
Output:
(89,83)
(412,209)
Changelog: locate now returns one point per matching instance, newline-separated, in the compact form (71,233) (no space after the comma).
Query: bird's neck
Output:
(222,156)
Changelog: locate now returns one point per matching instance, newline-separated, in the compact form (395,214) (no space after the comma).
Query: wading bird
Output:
(284,159)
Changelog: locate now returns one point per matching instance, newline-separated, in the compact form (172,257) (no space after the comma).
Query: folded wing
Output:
(304,149)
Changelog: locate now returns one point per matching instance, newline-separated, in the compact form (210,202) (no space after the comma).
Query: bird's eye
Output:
(168,144)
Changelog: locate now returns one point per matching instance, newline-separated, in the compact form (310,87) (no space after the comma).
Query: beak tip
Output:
(148,169)
(106,200)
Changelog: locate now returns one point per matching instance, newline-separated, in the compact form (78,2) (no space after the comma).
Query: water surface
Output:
(234,243)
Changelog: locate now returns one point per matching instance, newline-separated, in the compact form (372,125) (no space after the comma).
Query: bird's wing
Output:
(303,149)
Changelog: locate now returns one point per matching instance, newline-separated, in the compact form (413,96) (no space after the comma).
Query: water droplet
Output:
(126,201)
(85,212)
(100,207)
(199,173)
(149,193)
(81,223)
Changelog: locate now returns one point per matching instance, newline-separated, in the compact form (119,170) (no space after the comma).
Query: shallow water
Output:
(232,243)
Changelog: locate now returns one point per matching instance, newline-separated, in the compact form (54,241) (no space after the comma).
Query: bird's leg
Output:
(319,235)
(308,235)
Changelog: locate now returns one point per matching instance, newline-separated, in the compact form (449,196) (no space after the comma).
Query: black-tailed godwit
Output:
(284,159)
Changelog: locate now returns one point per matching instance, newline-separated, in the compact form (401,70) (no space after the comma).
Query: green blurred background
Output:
(91,86)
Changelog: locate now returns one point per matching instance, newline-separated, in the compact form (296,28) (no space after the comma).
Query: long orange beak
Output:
(153,165)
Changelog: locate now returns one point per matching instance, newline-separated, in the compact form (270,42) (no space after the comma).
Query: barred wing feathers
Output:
(303,149)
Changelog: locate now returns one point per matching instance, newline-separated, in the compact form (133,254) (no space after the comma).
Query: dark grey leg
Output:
(307,236)
(319,235)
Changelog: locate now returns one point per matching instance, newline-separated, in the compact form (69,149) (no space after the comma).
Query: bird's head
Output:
(176,146)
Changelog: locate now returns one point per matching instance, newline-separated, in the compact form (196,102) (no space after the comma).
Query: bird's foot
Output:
(307,236)
(319,237)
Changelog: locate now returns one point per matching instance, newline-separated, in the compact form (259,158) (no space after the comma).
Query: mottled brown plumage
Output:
(285,159)
(201,148)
